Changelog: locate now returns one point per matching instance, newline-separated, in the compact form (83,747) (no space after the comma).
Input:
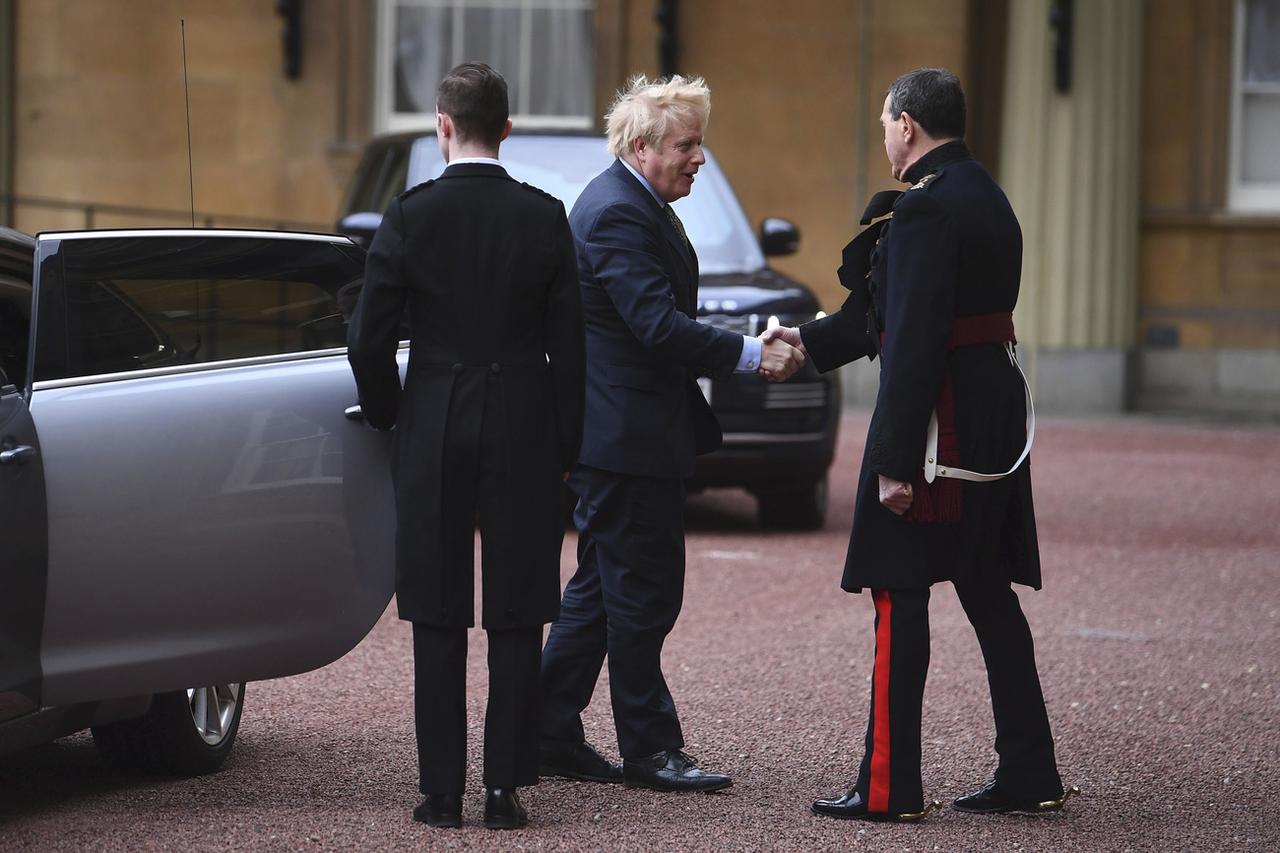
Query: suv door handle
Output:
(17,455)
(353,413)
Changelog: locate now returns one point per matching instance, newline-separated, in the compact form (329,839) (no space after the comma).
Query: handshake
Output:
(782,353)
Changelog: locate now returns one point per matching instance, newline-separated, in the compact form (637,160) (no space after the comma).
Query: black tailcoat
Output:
(953,248)
(491,410)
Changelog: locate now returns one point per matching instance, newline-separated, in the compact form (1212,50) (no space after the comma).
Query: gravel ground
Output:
(1158,638)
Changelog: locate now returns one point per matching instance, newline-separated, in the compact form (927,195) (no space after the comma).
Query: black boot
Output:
(852,806)
(991,799)
(440,810)
(502,809)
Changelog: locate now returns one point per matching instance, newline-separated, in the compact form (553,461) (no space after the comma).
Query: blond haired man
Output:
(645,421)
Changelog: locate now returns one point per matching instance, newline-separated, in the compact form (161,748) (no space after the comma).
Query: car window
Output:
(15,311)
(133,303)
(563,165)
(380,177)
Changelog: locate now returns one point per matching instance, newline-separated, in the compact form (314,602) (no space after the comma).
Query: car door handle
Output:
(353,413)
(17,455)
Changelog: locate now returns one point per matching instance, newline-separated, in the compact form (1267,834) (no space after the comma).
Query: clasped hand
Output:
(782,353)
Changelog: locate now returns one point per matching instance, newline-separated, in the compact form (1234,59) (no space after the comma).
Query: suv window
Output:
(133,303)
(379,177)
(15,311)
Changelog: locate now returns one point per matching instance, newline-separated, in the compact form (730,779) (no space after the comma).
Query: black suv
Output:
(779,439)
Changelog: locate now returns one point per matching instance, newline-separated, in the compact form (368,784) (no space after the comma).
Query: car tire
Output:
(184,733)
(801,506)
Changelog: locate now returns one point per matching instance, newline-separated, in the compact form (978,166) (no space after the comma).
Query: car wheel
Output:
(185,733)
(801,506)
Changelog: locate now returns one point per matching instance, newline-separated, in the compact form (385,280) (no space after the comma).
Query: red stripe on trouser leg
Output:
(878,794)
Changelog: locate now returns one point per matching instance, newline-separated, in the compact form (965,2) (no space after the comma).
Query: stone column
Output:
(1069,163)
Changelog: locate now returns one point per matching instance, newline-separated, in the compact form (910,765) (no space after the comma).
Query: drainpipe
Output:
(668,44)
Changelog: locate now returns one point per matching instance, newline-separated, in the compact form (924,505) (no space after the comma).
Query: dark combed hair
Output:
(475,97)
(931,96)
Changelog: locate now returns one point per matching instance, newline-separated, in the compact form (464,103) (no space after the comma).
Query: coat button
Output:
(495,368)
(457,368)
(511,613)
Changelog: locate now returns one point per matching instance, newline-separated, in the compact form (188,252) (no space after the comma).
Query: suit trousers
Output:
(889,777)
(623,601)
(440,708)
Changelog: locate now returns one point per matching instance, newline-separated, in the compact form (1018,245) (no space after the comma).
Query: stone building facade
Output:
(1137,140)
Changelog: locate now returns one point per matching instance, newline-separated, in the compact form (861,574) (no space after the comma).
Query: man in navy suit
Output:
(645,421)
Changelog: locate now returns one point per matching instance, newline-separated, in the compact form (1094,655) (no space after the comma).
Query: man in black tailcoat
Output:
(645,422)
(933,284)
(487,425)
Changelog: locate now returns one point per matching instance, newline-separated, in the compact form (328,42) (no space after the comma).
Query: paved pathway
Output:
(1158,635)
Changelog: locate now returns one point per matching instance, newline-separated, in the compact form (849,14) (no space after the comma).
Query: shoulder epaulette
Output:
(924,182)
(414,189)
(548,196)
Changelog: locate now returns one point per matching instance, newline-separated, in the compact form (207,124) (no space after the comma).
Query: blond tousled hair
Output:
(646,108)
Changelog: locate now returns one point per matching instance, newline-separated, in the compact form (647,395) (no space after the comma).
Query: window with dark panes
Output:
(135,303)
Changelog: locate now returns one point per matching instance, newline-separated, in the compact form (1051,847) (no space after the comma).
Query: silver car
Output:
(188,501)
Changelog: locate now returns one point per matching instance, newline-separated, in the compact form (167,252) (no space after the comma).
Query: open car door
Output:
(212,514)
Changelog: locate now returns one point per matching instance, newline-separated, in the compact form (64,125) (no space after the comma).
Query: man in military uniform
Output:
(487,425)
(933,285)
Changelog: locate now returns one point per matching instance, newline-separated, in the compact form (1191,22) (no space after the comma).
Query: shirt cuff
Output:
(749,361)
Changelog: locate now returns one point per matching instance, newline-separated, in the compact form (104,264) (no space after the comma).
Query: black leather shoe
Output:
(671,770)
(576,761)
(852,807)
(991,799)
(502,809)
(440,810)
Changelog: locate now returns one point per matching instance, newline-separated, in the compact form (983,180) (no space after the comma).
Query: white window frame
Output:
(388,121)
(1254,196)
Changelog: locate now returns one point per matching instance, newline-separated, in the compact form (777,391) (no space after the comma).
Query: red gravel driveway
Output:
(1158,637)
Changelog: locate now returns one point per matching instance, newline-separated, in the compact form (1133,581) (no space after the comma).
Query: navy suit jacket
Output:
(644,413)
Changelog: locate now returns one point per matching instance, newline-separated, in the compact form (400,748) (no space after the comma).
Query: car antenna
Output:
(191,180)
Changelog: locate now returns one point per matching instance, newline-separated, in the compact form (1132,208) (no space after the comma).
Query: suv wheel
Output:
(799,506)
(185,733)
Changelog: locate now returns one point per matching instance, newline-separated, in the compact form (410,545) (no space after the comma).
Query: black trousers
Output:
(889,777)
(623,601)
(440,708)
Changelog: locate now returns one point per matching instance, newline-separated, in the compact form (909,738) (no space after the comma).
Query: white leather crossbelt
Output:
(932,469)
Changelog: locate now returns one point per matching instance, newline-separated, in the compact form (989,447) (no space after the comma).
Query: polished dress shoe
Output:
(440,810)
(576,761)
(502,809)
(853,807)
(671,770)
(991,799)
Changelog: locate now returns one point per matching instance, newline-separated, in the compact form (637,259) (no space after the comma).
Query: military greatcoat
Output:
(952,248)
(490,415)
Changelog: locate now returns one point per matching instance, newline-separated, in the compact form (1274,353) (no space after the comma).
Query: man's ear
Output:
(506,131)
(444,125)
(909,130)
(640,148)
